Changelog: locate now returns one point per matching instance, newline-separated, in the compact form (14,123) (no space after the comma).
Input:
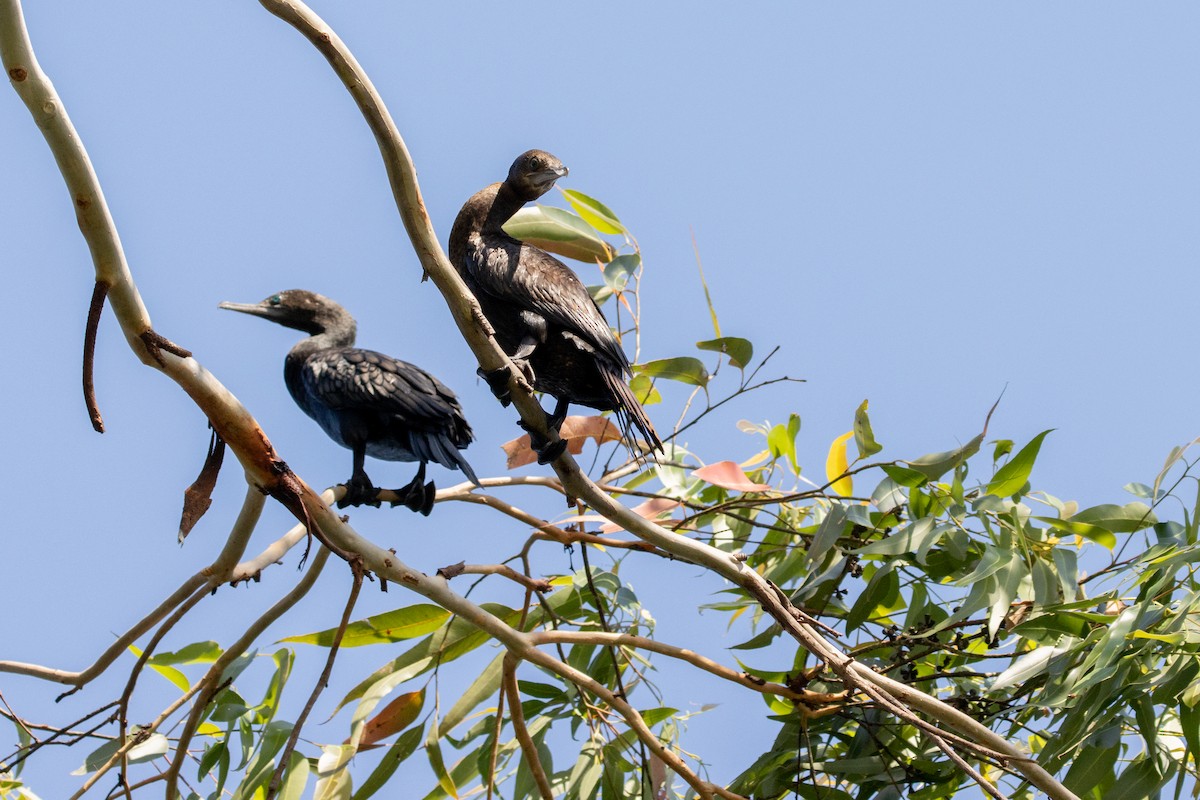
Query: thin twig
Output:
(322,682)
(211,680)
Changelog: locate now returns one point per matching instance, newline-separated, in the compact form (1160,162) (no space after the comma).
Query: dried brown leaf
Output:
(575,431)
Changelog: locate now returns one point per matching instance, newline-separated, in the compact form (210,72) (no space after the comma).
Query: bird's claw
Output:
(546,451)
(417,497)
(497,381)
(359,493)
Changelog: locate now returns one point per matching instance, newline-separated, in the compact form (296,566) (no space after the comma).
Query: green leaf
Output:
(781,440)
(173,675)
(1028,666)
(594,212)
(1095,533)
(1011,477)
(739,350)
(196,653)
(864,437)
(684,369)
(390,626)
(295,778)
(404,747)
(433,752)
(483,687)
(881,592)
(935,465)
(558,231)
(1118,519)
(618,271)
(644,390)
(446,644)
(909,478)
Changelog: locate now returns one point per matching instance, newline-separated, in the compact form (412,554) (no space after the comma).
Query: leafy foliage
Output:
(1071,632)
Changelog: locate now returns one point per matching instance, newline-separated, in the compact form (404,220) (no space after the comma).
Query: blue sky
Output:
(923,205)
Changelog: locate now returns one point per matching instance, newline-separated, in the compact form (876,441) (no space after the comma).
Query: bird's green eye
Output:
(275,300)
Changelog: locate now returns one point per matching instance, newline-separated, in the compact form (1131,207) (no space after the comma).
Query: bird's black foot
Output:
(559,416)
(546,451)
(417,496)
(497,381)
(359,492)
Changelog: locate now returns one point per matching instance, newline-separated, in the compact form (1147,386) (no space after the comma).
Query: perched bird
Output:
(543,316)
(370,403)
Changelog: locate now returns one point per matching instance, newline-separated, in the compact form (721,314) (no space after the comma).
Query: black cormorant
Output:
(543,316)
(370,403)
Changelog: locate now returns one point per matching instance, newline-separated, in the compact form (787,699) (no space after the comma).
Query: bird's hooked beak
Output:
(547,177)
(256,309)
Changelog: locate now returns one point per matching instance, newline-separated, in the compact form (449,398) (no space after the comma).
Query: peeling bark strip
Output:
(99,293)
(198,497)
(155,343)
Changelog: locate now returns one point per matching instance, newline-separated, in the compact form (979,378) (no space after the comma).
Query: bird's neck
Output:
(505,202)
(337,332)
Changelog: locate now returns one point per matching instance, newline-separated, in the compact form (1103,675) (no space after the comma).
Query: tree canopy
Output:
(916,625)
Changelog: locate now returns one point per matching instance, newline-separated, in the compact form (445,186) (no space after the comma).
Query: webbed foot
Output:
(497,381)
(546,451)
(359,492)
(417,495)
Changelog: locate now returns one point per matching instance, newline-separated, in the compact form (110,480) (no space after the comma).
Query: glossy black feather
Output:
(366,401)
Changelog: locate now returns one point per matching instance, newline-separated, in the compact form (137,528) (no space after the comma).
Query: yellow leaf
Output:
(836,464)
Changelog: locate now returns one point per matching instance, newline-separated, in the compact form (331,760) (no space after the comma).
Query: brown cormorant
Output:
(370,403)
(543,316)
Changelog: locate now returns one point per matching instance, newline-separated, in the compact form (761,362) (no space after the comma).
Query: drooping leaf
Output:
(656,509)
(684,369)
(295,778)
(618,272)
(864,437)
(1095,533)
(401,623)
(781,441)
(173,675)
(728,475)
(644,390)
(935,465)
(1009,479)
(558,231)
(1118,519)
(836,465)
(575,431)
(740,351)
(393,718)
(195,653)
(404,747)
(197,498)
(485,685)
(598,215)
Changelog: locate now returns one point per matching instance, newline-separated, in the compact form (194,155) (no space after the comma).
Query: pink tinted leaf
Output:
(728,475)
(656,509)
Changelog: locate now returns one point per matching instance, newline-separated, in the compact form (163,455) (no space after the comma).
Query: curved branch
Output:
(113,651)
(517,714)
(477,333)
(691,657)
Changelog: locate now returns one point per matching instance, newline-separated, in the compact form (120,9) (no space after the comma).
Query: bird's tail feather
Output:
(630,414)
(433,447)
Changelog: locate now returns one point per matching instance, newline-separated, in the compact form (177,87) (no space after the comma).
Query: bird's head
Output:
(296,308)
(534,172)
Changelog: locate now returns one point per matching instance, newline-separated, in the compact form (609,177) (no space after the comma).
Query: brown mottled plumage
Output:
(541,311)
